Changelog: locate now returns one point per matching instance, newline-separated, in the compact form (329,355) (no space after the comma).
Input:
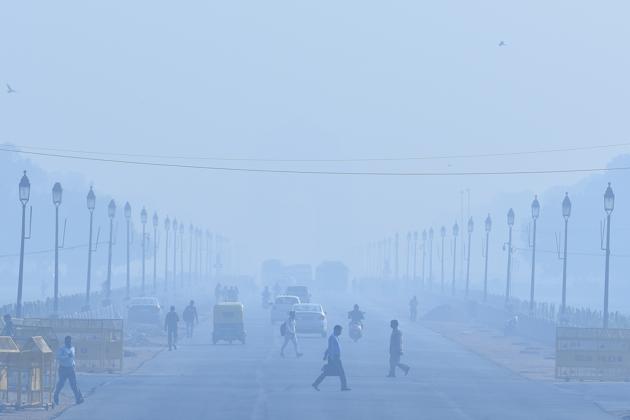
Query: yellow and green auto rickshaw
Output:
(228,322)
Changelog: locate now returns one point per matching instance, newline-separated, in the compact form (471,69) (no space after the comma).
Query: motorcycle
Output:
(355,331)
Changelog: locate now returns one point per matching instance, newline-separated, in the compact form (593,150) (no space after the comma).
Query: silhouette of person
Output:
(395,351)
(334,367)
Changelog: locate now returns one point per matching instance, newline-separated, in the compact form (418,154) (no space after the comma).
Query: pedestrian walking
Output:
(190,318)
(290,335)
(65,359)
(333,367)
(395,351)
(170,326)
(8,330)
(413,308)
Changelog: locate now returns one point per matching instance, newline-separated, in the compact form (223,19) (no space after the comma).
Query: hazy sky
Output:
(287,79)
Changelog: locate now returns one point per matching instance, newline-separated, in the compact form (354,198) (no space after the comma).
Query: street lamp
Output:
(609,206)
(488,226)
(535,214)
(424,255)
(407,273)
(25,193)
(128,220)
(566,213)
(181,254)
(431,259)
(155,227)
(57,193)
(443,235)
(91,204)
(167,226)
(111,212)
(455,233)
(470,231)
(415,258)
(143,220)
(190,253)
(510,221)
(174,254)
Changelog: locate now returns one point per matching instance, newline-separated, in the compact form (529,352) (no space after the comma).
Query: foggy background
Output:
(286,80)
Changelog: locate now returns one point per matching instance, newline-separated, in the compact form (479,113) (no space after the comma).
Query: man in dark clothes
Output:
(395,351)
(170,326)
(190,318)
(334,367)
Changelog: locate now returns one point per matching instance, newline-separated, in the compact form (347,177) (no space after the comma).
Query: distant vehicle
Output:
(228,322)
(355,330)
(310,318)
(145,310)
(299,291)
(332,276)
(281,307)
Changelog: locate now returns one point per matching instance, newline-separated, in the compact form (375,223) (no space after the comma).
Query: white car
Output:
(310,318)
(282,305)
(144,310)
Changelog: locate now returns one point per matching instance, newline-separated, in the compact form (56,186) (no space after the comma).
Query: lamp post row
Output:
(57,197)
(609,205)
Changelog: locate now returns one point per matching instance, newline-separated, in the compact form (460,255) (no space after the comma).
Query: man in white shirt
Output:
(65,358)
(290,335)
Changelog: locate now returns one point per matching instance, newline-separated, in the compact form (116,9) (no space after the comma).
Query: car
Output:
(310,318)
(144,310)
(299,291)
(281,307)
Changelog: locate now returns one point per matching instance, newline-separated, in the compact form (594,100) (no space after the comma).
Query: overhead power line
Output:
(313,172)
(324,160)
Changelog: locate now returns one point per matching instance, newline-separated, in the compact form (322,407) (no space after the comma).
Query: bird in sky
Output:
(502,44)
(10,89)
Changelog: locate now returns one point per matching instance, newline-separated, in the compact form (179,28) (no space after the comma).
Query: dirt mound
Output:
(445,313)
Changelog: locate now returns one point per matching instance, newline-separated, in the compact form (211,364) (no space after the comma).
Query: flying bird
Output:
(10,89)
(502,44)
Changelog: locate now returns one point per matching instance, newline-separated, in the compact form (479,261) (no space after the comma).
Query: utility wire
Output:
(377,159)
(313,172)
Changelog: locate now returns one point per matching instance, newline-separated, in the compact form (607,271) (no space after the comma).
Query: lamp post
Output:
(535,214)
(431,259)
(209,257)
(455,234)
(155,227)
(609,206)
(424,255)
(181,254)
(91,204)
(443,235)
(191,230)
(470,231)
(414,278)
(57,193)
(175,231)
(510,221)
(167,226)
(407,274)
(396,267)
(111,212)
(128,219)
(25,193)
(566,213)
(488,226)
(143,220)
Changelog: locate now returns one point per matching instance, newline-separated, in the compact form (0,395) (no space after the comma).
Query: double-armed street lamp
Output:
(128,221)
(155,247)
(167,226)
(470,231)
(111,212)
(609,206)
(488,226)
(143,220)
(443,235)
(508,281)
(57,193)
(566,213)
(455,234)
(535,214)
(91,204)
(24,193)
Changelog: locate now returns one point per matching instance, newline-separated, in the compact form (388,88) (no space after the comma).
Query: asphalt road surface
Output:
(252,381)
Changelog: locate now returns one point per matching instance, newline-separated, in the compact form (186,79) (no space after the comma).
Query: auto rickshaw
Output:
(228,322)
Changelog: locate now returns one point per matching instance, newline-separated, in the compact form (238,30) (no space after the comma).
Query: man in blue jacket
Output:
(334,367)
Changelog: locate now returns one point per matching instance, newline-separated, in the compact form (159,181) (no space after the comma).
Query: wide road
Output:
(202,381)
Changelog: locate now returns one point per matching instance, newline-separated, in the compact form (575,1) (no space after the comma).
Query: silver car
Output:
(310,318)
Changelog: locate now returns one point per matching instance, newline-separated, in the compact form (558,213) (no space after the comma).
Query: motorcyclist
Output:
(356,316)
